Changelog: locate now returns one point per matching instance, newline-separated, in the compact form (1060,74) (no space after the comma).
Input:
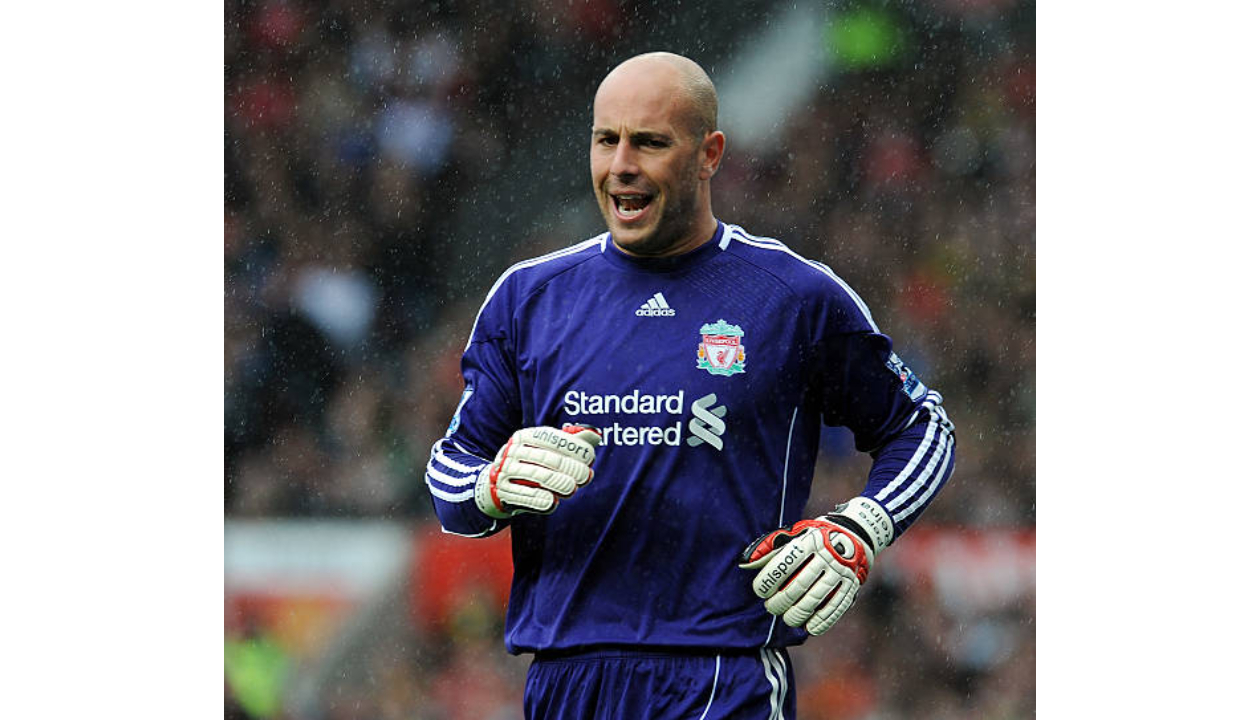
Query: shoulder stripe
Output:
(742,235)
(572,249)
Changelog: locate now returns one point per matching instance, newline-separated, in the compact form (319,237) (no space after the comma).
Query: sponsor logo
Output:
(577,402)
(721,350)
(655,307)
(784,564)
(909,383)
(562,441)
(706,425)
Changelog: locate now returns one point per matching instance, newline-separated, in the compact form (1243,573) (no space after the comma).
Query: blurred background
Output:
(386,161)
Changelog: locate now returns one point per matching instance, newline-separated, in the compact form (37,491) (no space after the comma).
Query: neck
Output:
(699,234)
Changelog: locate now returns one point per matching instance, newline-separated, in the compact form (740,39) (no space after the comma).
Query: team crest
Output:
(721,352)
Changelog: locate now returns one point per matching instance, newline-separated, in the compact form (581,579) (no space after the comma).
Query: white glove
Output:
(810,572)
(535,469)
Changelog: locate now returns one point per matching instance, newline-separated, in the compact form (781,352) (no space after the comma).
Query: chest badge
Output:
(721,351)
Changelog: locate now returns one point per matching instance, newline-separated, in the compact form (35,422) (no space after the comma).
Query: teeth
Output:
(623,201)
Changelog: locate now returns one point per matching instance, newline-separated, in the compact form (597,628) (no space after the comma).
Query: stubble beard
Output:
(676,221)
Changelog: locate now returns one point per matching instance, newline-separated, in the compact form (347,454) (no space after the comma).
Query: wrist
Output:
(484,495)
(868,519)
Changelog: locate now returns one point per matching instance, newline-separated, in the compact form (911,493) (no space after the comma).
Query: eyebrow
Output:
(635,136)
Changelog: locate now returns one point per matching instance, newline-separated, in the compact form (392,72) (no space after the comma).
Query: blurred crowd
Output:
(373,154)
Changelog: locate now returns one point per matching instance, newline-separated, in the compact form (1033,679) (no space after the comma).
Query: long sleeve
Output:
(451,475)
(488,413)
(893,416)
(910,470)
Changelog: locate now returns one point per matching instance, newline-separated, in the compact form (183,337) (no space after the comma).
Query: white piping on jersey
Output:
(936,482)
(584,245)
(776,688)
(787,454)
(742,235)
(717,669)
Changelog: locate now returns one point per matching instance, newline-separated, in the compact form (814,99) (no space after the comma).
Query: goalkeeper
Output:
(643,410)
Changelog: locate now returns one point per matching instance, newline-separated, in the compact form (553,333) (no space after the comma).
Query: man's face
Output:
(646,163)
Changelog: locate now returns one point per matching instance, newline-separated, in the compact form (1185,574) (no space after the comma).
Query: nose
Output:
(623,161)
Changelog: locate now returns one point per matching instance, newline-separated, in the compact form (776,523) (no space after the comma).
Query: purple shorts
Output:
(660,685)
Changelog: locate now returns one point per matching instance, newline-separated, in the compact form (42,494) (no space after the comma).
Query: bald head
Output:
(677,75)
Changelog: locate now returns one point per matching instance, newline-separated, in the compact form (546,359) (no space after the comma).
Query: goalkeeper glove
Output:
(810,572)
(535,469)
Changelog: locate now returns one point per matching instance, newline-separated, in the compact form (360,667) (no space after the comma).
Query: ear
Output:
(711,149)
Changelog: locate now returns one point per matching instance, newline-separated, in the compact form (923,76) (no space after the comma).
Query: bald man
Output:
(643,409)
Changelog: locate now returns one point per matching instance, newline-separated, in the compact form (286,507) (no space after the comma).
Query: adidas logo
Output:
(655,307)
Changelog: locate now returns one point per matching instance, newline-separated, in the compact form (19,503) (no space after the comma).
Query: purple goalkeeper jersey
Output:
(710,375)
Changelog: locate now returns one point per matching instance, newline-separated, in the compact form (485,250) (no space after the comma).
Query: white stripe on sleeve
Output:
(452,481)
(448,497)
(911,466)
(437,454)
(936,483)
(922,475)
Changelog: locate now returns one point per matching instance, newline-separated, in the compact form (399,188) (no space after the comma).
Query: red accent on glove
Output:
(778,538)
(494,477)
(575,428)
(859,563)
(766,545)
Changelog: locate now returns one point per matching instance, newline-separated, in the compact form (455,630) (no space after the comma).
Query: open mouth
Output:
(629,208)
